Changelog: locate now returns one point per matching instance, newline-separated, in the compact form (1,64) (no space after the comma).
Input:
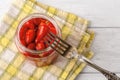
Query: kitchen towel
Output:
(14,66)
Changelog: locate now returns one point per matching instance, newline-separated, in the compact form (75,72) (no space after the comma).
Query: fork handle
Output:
(109,75)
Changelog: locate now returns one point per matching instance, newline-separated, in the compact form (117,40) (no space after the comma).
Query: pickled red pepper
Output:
(32,33)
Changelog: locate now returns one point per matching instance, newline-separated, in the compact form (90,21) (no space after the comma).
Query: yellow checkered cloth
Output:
(14,66)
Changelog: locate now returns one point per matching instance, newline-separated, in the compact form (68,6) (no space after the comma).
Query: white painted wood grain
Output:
(106,47)
(92,76)
(101,13)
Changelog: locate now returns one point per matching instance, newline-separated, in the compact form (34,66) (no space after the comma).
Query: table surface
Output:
(104,16)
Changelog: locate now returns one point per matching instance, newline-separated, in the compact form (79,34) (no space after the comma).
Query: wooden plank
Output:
(106,47)
(92,76)
(101,13)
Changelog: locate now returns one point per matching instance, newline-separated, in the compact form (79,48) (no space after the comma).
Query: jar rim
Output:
(36,15)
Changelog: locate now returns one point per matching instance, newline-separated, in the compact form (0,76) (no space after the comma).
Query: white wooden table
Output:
(105,21)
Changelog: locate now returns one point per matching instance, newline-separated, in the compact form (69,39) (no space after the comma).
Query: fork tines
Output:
(57,43)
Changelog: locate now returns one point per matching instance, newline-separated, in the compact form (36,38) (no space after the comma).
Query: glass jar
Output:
(34,55)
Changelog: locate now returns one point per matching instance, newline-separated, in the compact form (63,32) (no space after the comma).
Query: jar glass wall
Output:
(37,55)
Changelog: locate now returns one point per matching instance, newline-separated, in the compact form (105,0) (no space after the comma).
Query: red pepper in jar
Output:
(29,24)
(40,46)
(30,35)
(31,46)
(42,31)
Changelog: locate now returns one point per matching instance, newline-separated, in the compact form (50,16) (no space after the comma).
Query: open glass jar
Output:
(29,38)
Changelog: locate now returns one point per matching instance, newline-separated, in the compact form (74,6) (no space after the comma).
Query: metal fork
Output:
(67,50)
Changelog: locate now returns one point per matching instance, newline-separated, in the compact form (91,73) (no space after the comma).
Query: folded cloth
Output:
(14,66)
